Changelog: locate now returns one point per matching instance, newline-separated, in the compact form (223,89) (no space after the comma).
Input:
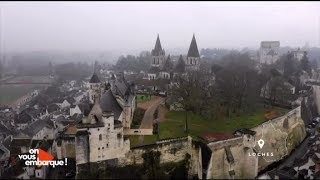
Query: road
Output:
(147,120)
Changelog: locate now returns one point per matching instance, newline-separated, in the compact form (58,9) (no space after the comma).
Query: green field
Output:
(10,93)
(142,98)
(146,140)
(173,126)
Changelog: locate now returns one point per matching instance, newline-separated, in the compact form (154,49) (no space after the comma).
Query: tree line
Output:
(236,83)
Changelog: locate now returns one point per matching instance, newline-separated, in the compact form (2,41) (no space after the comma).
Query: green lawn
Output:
(10,93)
(146,140)
(173,126)
(142,98)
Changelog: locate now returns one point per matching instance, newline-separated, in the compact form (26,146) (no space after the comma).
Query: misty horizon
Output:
(127,27)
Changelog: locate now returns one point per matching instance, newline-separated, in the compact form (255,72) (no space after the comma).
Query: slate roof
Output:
(122,88)
(23,118)
(76,117)
(37,126)
(94,78)
(43,144)
(53,107)
(168,65)
(153,70)
(4,129)
(108,103)
(85,108)
(180,67)
(7,142)
(193,49)
(60,119)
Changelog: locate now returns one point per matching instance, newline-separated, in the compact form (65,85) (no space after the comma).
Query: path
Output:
(147,120)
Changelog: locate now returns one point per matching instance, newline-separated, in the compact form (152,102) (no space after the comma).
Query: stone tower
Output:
(95,88)
(192,61)
(158,55)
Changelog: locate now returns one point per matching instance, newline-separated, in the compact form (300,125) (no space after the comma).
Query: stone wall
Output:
(172,150)
(290,126)
(233,158)
(229,159)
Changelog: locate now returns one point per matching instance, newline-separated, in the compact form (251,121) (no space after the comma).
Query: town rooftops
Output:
(94,79)
(4,129)
(23,118)
(37,126)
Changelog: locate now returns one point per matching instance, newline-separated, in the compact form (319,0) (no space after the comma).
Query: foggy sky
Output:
(27,26)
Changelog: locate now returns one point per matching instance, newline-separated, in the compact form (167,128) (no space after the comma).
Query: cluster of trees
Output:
(73,71)
(234,86)
(1,69)
(134,63)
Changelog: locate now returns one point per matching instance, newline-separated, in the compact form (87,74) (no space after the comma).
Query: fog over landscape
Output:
(130,27)
(159,90)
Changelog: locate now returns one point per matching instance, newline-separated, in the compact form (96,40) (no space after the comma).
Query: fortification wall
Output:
(281,136)
(234,157)
(172,150)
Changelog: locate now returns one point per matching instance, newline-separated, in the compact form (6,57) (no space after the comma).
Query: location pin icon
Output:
(261,143)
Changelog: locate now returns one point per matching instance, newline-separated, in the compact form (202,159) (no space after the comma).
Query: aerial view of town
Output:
(159,90)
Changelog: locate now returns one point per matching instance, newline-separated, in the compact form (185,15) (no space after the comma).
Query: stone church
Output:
(162,66)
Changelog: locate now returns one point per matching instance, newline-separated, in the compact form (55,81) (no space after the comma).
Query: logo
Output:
(39,157)
(261,143)
(263,154)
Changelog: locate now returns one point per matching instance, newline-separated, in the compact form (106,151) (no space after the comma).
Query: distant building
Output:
(269,52)
(163,67)
(193,57)
(299,54)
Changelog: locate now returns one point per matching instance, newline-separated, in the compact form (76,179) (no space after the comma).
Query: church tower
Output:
(95,88)
(158,55)
(193,58)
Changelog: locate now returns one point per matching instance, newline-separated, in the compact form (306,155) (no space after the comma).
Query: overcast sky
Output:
(134,25)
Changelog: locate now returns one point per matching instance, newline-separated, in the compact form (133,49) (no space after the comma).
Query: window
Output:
(107,145)
(100,137)
(98,148)
(102,147)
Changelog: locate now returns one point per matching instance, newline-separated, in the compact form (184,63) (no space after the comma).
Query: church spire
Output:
(193,49)
(157,51)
